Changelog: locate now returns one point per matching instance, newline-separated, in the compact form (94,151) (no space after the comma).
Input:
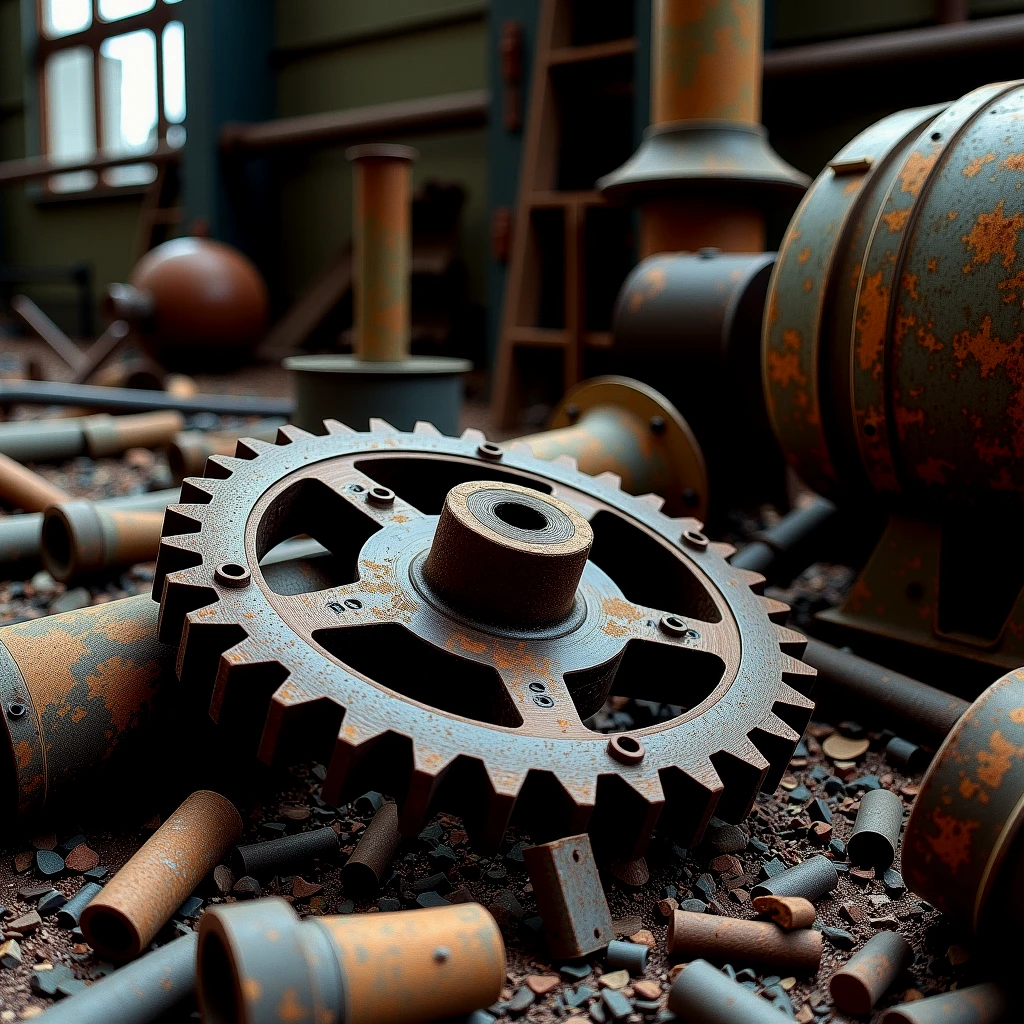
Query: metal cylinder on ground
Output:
(978,1004)
(188,450)
(702,994)
(439,962)
(867,976)
(22,489)
(96,436)
(137,902)
(876,832)
(280,856)
(732,940)
(138,993)
(69,915)
(810,879)
(629,956)
(83,540)
(72,687)
(370,861)
(787,544)
(787,912)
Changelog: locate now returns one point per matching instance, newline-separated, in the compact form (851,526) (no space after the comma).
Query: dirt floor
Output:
(115,811)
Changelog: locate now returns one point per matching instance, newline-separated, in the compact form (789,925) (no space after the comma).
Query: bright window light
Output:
(63,17)
(112,10)
(174,72)
(128,81)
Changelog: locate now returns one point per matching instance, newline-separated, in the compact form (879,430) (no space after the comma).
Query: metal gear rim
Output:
(759,715)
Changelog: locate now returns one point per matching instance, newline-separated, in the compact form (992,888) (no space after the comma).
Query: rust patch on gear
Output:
(993,234)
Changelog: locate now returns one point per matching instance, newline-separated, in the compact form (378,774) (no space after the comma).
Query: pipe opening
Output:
(112,935)
(220,997)
(57,543)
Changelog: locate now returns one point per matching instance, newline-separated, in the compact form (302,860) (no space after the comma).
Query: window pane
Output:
(62,17)
(111,10)
(128,81)
(70,124)
(174,72)
(130,174)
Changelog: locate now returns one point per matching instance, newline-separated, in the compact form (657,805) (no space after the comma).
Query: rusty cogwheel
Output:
(476,608)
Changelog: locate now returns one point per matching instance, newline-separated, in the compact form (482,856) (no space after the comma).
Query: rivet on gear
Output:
(472,629)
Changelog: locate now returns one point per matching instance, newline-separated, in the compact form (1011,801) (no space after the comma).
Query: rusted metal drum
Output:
(891,353)
(963,849)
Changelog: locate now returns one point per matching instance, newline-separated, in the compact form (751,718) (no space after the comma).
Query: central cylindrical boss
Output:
(383,247)
(508,555)
(258,963)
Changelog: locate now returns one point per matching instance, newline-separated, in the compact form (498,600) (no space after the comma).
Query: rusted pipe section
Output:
(788,912)
(409,967)
(811,879)
(22,489)
(873,693)
(382,249)
(789,543)
(72,687)
(188,451)
(83,540)
(283,855)
(979,1004)
(876,832)
(371,859)
(138,993)
(139,900)
(867,976)
(96,436)
(21,536)
(701,994)
(732,940)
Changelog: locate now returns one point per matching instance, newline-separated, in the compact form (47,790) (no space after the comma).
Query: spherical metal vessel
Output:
(201,297)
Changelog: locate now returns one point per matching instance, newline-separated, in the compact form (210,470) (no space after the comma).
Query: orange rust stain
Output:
(615,629)
(808,284)
(896,220)
(1017,714)
(916,170)
(874,305)
(851,186)
(1012,162)
(252,989)
(909,284)
(990,352)
(617,608)
(23,753)
(933,470)
(975,166)
(933,264)
(988,450)
(904,321)
(78,714)
(784,369)
(792,340)
(927,340)
(997,760)
(471,645)
(953,843)
(993,234)
(773,309)
(803,255)
(907,418)
(400,518)
(651,285)
(916,392)
(290,1010)
(952,215)
(1011,285)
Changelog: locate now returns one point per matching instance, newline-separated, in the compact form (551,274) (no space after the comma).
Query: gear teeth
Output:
(520,446)
(181,592)
(298,726)
(689,523)
(742,770)
(289,434)
(778,611)
(178,522)
(222,467)
(793,707)
(610,479)
(472,434)
(379,426)
(425,427)
(776,740)
(798,674)
(628,804)
(752,579)
(337,427)
(722,549)
(206,633)
(655,501)
(250,448)
(790,641)
(173,556)
(353,746)
(566,461)
(197,490)
(691,797)
(428,773)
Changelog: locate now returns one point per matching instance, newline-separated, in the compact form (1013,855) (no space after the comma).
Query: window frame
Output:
(156,19)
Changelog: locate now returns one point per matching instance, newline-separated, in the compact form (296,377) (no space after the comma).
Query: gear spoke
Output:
(541,698)
(374,500)
(338,607)
(681,631)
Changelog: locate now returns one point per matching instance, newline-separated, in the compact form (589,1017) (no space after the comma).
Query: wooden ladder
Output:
(550,295)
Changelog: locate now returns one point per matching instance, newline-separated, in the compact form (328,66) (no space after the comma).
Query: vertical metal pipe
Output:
(383,245)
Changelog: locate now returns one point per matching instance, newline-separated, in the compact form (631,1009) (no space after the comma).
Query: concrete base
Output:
(353,390)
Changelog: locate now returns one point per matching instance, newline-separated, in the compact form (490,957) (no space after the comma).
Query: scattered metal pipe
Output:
(629,956)
(281,856)
(137,993)
(733,940)
(907,706)
(132,400)
(787,912)
(68,916)
(21,488)
(783,544)
(701,994)
(867,976)
(371,859)
(96,436)
(811,879)
(876,832)
(139,900)
(408,967)
(105,663)
(979,1004)
(188,451)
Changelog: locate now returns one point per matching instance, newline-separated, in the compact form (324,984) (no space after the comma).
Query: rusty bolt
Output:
(382,497)
(489,450)
(695,539)
(232,574)
(627,749)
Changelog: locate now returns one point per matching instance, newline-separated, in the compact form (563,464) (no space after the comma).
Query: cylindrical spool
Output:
(536,545)
(382,245)
(876,832)
(366,868)
(866,976)
(704,995)
(105,663)
(622,426)
(861,687)
(732,940)
(440,962)
(142,896)
(69,915)
(629,956)
(21,488)
(811,879)
(279,856)
(137,993)
(82,540)
(979,1004)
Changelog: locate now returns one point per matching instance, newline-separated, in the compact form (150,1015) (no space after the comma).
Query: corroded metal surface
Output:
(565,879)
(959,848)
(73,686)
(876,832)
(734,940)
(380,677)
(702,994)
(371,859)
(865,977)
(139,900)
(259,964)
(21,488)
(979,1004)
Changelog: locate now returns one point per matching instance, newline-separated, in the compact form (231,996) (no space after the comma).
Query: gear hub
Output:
(475,608)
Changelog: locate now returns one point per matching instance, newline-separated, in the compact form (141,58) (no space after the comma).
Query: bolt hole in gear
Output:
(459,645)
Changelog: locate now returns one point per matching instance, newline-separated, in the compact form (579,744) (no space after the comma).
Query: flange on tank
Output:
(893,366)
